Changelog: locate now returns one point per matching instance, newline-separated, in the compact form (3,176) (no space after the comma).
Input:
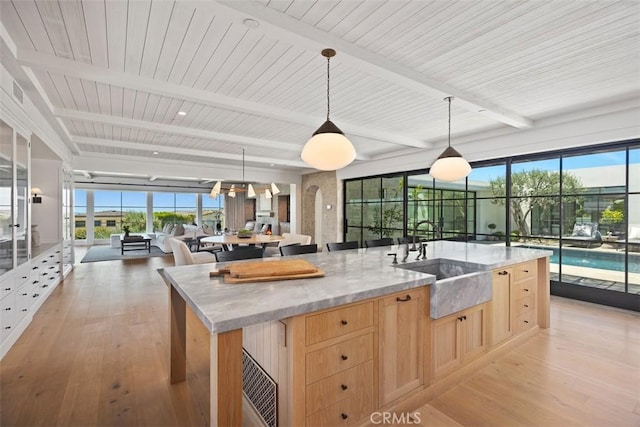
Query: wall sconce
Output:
(34,192)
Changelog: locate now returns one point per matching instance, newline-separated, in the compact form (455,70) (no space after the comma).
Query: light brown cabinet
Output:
(513,305)
(500,306)
(403,319)
(457,339)
(351,360)
(333,357)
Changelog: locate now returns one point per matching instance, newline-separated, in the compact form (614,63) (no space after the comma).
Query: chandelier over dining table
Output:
(242,187)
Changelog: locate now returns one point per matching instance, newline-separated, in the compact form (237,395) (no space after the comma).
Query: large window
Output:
(112,210)
(213,211)
(80,213)
(173,208)
(120,208)
(581,204)
(374,208)
(488,184)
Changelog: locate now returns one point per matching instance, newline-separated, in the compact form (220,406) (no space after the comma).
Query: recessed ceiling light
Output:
(182,113)
(251,23)
(272,165)
(155,153)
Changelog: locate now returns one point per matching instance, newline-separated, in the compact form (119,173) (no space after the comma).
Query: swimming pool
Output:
(603,260)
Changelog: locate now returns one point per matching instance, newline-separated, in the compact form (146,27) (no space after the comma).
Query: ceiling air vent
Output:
(17,92)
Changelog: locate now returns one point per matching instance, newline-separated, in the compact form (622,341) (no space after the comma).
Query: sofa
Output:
(179,232)
(584,236)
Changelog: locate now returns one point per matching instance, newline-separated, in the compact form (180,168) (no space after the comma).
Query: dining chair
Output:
(387,241)
(298,249)
(183,256)
(235,255)
(288,239)
(342,246)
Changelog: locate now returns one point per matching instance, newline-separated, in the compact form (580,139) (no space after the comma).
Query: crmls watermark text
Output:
(395,418)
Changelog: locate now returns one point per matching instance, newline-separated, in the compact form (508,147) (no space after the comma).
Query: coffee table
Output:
(135,242)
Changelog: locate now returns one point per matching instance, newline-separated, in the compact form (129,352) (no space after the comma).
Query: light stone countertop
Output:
(350,276)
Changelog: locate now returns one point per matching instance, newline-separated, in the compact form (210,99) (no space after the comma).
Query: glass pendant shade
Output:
(328,149)
(274,189)
(250,191)
(450,166)
(267,194)
(215,191)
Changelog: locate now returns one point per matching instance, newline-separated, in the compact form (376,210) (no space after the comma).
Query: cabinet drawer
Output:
(525,321)
(523,289)
(327,361)
(526,270)
(7,286)
(344,412)
(524,305)
(334,323)
(324,393)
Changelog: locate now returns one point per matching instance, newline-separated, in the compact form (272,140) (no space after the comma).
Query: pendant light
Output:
(233,190)
(328,149)
(450,165)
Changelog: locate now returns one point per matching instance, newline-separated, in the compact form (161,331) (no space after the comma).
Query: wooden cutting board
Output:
(243,270)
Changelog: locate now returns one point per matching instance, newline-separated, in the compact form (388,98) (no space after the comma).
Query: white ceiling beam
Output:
(183,151)
(173,129)
(90,72)
(282,27)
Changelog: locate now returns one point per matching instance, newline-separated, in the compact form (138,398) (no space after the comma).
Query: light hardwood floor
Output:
(96,354)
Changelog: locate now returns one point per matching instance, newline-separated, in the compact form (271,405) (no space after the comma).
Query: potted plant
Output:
(126,229)
(244,233)
(491,227)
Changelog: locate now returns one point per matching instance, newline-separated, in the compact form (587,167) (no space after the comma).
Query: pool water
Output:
(604,261)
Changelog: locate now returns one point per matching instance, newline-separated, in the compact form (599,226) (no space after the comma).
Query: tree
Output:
(534,189)
(137,221)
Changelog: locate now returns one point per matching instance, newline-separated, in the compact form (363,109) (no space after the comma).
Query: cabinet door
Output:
(500,306)
(445,344)
(473,333)
(402,324)
(6,198)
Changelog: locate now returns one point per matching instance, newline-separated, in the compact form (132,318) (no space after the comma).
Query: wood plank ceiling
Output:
(249,73)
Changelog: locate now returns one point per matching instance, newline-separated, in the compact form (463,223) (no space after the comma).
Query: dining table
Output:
(228,240)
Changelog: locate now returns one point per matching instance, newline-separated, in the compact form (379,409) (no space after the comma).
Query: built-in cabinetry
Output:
(14,198)
(457,339)
(25,289)
(403,339)
(333,359)
(29,270)
(513,305)
(349,361)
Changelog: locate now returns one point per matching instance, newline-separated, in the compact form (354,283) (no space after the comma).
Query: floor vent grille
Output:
(260,390)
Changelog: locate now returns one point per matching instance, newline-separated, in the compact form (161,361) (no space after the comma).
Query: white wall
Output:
(47,176)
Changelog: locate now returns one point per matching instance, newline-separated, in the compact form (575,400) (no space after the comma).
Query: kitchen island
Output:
(360,291)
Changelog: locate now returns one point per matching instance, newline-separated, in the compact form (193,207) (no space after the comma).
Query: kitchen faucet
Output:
(434,230)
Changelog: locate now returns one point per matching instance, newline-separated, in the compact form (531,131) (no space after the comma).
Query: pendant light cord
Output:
(243,182)
(449,98)
(328,83)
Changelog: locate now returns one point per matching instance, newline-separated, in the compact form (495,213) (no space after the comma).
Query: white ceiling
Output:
(114,74)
